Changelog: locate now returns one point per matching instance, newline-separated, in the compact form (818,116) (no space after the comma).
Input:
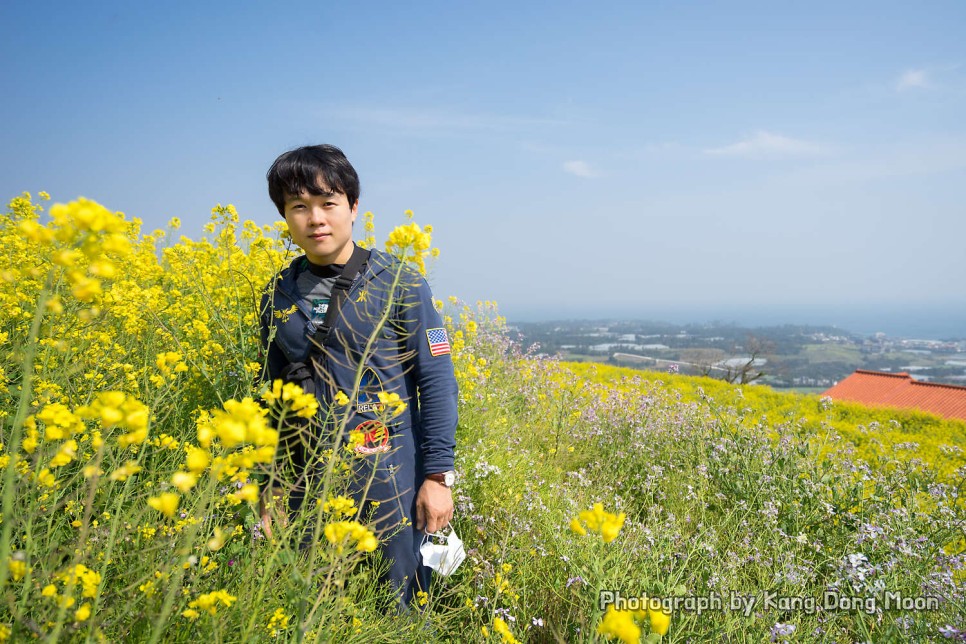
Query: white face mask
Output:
(442,552)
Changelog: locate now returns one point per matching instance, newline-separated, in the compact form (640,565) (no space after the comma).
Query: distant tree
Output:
(704,361)
(747,370)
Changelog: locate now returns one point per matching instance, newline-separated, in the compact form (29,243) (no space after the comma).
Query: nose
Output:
(317,216)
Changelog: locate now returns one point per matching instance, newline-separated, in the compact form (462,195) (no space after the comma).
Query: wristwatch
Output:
(447,479)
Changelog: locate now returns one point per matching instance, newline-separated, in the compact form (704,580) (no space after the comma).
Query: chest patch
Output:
(319,308)
(375,438)
(369,388)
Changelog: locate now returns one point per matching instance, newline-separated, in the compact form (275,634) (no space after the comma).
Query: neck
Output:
(336,258)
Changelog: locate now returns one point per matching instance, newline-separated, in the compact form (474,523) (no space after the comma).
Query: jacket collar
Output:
(379,262)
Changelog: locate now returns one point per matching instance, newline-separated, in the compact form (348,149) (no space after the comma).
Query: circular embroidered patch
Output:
(375,437)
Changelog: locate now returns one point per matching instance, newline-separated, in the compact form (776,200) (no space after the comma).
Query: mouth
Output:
(319,236)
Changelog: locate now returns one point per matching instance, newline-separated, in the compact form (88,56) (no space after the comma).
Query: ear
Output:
(355,211)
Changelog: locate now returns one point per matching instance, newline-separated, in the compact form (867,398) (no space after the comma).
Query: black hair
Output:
(315,169)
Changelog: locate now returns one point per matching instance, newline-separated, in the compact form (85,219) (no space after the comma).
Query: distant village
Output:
(786,356)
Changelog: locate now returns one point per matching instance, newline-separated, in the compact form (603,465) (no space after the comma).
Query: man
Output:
(382,335)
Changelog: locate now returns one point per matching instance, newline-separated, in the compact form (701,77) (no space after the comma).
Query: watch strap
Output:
(440,477)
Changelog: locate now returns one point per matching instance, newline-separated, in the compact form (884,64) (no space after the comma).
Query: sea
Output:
(931,322)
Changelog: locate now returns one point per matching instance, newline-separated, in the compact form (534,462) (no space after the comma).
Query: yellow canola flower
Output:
(576,526)
(210,601)
(500,626)
(117,409)
(218,540)
(84,612)
(102,267)
(660,621)
(249,492)
(197,459)
(170,361)
(66,454)
(88,578)
(17,568)
(124,472)
(74,219)
(66,256)
(343,533)
(339,505)
(410,242)
(356,439)
(45,478)
(35,232)
(341,399)
(184,481)
(619,624)
(31,436)
(393,402)
(166,503)
(84,288)
(242,421)
(294,398)
(278,622)
(59,422)
(596,520)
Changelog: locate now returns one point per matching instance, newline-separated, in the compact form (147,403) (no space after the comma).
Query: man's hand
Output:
(434,506)
(269,505)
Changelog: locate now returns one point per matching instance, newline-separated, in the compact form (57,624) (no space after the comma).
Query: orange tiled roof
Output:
(900,390)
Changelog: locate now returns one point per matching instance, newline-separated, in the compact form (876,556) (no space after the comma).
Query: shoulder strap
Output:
(341,287)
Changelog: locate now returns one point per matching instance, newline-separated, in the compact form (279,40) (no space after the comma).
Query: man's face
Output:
(321,225)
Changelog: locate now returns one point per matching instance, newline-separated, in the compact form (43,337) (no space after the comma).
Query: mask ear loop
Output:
(452,555)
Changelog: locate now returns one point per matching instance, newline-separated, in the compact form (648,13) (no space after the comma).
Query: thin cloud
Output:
(764,144)
(579,169)
(913,79)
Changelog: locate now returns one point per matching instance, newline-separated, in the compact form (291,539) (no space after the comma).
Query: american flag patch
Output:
(438,341)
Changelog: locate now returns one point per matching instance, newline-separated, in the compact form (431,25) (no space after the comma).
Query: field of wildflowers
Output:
(134,442)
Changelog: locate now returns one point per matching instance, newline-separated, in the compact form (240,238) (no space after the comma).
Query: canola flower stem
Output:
(115,525)
(188,355)
(82,538)
(26,386)
(329,580)
(283,535)
(161,623)
(248,635)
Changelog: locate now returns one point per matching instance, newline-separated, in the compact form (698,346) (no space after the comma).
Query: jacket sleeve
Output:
(434,376)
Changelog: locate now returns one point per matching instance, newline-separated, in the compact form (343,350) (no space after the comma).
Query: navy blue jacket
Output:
(401,359)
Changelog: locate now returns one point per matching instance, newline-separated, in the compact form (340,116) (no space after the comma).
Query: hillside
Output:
(789,356)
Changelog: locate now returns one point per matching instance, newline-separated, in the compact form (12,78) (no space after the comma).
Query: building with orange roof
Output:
(881,389)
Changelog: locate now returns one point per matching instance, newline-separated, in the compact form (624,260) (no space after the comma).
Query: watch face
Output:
(449,479)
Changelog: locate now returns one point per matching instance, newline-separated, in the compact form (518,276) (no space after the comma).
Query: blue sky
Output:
(748,161)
